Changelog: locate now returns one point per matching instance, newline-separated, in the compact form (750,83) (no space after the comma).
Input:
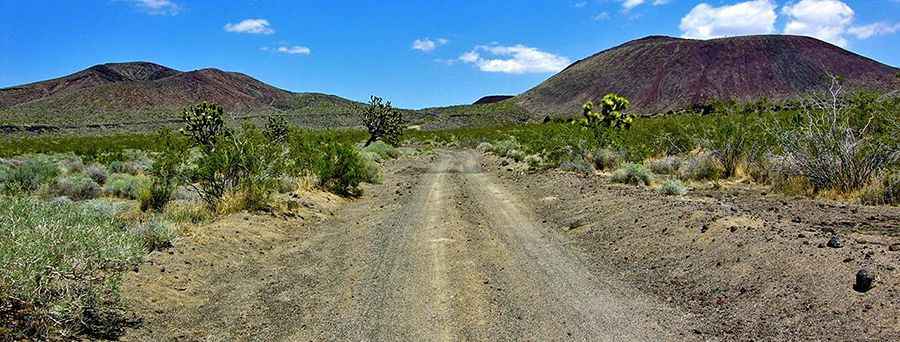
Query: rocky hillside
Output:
(143,93)
(661,74)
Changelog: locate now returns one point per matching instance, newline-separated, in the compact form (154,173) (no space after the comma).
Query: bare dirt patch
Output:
(750,265)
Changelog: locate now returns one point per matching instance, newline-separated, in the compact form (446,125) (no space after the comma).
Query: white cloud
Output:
(294,50)
(627,5)
(428,45)
(255,26)
(827,20)
(875,29)
(601,16)
(580,4)
(751,17)
(517,59)
(158,7)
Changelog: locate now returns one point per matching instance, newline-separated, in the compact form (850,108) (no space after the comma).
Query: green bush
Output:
(485,147)
(166,172)
(672,187)
(127,186)
(63,264)
(341,169)
(31,174)
(383,150)
(634,174)
(77,187)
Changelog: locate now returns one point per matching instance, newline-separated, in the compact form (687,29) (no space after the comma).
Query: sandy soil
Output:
(455,247)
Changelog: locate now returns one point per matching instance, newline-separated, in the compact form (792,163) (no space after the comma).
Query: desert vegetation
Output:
(77,212)
(837,144)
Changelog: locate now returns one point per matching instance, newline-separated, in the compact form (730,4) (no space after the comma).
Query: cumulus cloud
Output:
(827,20)
(254,26)
(428,45)
(751,17)
(516,59)
(158,7)
(875,29)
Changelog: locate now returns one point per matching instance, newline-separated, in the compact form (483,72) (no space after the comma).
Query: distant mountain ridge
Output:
(661,74)
(143,92)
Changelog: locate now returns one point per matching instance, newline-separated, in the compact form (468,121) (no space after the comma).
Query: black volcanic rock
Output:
(660,74)
(493,99)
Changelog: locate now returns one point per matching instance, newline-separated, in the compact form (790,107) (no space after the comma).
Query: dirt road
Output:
(441,252)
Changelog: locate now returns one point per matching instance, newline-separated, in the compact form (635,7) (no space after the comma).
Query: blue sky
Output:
(415,53)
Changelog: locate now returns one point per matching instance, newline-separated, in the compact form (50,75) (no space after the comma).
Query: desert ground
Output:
(460,245)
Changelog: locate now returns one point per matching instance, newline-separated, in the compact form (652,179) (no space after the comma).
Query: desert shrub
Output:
(62,263)
(187,212)
(485,147)
(576,165)
(701,166)
(97,173)
(341,169)
(77,187)
(672,187)
(383,122)
(107,206)
(276,129)
(835,145)
(130,167)
(244,162)
(534,161)
(71,164)
(516,155)
(635,174)
(35,171)
(667,165)
(166,172)
(126,186)
(154,234)
(383,150)
(606,159)
(502,147)
(885,191)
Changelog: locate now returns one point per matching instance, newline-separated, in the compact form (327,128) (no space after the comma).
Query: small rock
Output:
(894,248)
(835,242)
(864,281)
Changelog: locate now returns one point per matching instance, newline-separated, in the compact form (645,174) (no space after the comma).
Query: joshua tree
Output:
(383,122)
(204,124)
(611,112)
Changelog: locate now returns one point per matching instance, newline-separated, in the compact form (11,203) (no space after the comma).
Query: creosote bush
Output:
(634,174)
